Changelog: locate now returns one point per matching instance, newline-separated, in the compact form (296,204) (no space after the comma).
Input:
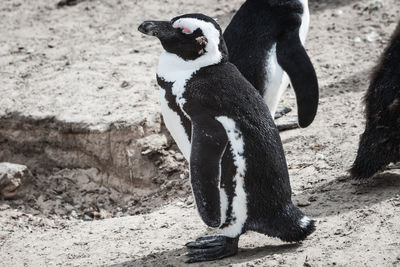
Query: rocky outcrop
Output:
(13,177)
(124,154)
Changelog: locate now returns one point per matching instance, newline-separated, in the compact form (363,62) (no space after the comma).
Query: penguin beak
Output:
(155,28)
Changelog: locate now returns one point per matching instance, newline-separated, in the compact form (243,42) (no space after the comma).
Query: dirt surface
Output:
(88,64)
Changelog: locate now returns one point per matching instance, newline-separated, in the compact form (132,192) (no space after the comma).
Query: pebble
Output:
(180,203)
(74,214)
(338,13)
(179,157)
(371,37)
(69,207)
(4,207)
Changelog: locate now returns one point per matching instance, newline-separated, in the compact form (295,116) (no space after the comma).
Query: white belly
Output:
(277,79)
(175,126)
(305,21)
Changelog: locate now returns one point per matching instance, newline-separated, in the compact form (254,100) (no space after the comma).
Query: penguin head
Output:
(190,37)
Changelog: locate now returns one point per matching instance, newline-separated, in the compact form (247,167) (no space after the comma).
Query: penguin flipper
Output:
(293,58)
(209,141)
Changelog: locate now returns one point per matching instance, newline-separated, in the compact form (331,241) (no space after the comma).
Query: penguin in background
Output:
(238,170)
(265,41)
(380,142)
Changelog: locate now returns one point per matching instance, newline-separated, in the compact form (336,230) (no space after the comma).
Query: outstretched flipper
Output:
(209,142)
(293,58)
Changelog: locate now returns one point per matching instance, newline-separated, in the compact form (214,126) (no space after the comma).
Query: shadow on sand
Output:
(177,257)
(329,198)
(320,5)
(344,194)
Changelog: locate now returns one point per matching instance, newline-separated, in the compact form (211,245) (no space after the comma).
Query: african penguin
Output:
(380,142)
(238,170)
(265,41)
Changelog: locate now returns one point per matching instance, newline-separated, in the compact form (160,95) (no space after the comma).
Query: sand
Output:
(88,64)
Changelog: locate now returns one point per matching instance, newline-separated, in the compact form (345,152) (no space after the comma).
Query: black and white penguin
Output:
(265,41)
(238,170)
(380,142)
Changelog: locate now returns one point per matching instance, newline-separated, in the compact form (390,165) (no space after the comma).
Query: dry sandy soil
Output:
(87,63)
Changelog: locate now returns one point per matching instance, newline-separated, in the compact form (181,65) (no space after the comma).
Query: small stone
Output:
(180,204)
(371,37)
(74,214)
(12,177)
(312,198)
(124,84)
(179,157)
(338,232)
(303,203)
(4,207)
(337,13)
(69,207)
(87,218)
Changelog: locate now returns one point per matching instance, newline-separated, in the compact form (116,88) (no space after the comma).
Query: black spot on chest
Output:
(173,105)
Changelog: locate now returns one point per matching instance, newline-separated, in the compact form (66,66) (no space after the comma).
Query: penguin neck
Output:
(172,67)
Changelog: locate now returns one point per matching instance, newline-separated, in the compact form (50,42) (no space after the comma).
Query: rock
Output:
(179,157)
(115,150)
(337,13)
(371,37)
(4,207)
(303,203)
(74,214)
(152,144)
(12,177)
(124,84)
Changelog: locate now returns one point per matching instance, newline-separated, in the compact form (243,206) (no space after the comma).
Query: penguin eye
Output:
(186,30)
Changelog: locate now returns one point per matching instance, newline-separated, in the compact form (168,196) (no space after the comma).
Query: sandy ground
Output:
(88,63)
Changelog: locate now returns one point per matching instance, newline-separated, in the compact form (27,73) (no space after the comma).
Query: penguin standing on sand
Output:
(265,41)
(380,142)
(237,166)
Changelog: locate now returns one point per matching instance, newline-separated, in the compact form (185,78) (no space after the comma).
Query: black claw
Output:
(202,244)
(211,248)
(206,241)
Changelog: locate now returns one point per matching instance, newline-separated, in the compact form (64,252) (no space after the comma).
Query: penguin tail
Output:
(292,225)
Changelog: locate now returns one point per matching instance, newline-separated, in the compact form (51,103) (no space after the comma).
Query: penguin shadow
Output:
(177,257)
(357,82)
(329,198)
(344,194)
(320,5)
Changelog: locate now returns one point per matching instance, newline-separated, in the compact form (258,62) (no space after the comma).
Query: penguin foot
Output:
(393,166)
(281,111)
(284,125)
(208,248)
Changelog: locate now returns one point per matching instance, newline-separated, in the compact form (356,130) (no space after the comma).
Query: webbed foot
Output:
(208,248)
